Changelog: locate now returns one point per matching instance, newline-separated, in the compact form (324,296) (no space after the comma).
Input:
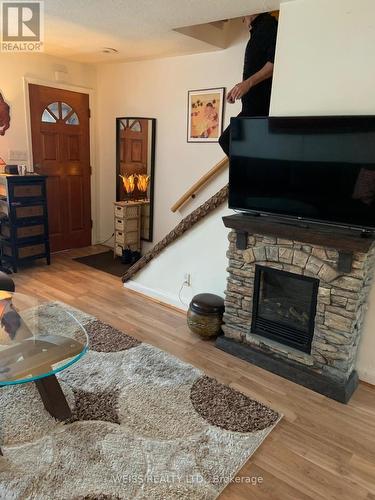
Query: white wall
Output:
(325,58)
(201,253)
(324,66)
(158,89)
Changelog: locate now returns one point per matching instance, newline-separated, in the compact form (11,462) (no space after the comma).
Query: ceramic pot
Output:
(205,315)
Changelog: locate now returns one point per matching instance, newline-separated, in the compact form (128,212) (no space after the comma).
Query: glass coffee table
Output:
(37,340)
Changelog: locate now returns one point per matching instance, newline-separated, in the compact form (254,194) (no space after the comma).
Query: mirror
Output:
(136,167)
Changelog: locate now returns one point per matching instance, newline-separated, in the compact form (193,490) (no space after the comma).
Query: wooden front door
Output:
(61,150)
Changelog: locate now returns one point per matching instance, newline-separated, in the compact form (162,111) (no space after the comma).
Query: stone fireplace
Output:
(296,299)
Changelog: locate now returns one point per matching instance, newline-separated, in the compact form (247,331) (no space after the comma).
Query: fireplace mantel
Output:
(341,239)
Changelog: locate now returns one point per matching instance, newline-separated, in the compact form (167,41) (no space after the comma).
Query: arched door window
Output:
(133,125)
(60,112)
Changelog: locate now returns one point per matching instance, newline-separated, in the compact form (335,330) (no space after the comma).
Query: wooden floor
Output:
(320,450)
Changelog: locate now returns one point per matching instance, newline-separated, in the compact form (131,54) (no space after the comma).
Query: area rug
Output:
(104,261)
(145,425)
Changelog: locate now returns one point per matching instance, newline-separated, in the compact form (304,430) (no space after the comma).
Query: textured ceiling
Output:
(138,29)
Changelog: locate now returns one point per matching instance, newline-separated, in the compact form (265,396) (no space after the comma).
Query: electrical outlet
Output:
(187,279)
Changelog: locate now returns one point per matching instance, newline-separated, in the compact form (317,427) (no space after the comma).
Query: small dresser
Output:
(24,219)
(128,216)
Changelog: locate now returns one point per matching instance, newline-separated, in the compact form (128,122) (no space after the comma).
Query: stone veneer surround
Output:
(342,300)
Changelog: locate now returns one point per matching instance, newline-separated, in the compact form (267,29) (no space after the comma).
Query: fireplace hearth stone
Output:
(341,300)
(339,391)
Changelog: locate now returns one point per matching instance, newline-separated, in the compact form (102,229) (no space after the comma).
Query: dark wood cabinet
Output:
(24,219)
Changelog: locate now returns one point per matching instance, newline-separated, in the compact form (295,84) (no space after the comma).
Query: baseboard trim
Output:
(156,296)
(366,377)
(367,384)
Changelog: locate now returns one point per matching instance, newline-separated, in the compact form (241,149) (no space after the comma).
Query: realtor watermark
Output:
(194,479)
(22,26)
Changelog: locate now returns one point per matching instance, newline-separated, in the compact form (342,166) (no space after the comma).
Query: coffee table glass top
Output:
(37,338)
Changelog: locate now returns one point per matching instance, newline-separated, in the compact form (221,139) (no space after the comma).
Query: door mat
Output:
(104,261)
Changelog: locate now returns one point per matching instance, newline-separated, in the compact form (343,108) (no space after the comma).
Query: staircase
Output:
(185,225)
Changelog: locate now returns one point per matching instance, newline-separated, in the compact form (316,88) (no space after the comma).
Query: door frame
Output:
(93,153)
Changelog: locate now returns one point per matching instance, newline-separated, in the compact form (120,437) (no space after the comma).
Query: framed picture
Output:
(205,115)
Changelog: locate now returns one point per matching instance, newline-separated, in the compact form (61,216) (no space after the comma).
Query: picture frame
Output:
(205,115)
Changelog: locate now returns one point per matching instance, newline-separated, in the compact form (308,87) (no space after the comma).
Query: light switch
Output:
(17,155)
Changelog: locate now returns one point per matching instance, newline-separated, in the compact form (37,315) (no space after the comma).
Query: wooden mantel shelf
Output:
(340,239)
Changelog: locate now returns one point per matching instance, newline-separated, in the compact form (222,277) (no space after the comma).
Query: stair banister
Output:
(200,183)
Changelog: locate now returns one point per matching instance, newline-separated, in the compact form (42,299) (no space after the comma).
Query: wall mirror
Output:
(136,167)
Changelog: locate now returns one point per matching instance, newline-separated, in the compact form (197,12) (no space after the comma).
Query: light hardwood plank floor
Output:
(320,450)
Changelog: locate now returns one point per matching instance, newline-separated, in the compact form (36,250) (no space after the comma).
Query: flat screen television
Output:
(319,169)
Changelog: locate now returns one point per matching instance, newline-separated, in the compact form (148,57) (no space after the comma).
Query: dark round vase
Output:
(205,315)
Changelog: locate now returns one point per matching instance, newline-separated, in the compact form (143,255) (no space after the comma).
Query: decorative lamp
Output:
(129,183)
(142,182)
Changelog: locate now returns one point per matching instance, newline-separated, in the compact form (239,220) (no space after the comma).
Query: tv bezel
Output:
(292,120)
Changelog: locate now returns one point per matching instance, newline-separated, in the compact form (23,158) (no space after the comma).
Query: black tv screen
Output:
(315,169)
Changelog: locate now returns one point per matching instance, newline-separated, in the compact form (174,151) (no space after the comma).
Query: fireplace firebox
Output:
(284,307)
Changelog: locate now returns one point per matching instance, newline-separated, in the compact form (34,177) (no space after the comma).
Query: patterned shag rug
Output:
(145,425)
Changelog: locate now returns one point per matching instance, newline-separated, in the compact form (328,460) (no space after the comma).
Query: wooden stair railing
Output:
(187,223)
(201,183)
